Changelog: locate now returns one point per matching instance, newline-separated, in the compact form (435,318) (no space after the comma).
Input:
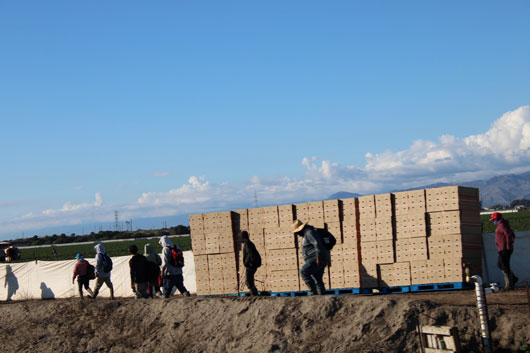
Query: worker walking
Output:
(81,272)
(103,268)
(172,263)
(315,254)
(251,261)
(504,238)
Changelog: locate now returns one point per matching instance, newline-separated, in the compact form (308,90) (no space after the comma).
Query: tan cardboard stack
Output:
(411,236)
(332,222)
(455,233)
(280,252)
(399,239)
(213,248)
(368,241)
(351,260)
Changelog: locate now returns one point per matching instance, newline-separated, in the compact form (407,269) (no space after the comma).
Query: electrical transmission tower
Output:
(116,220)
(255,199)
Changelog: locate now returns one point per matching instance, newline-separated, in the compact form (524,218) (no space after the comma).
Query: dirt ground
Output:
(346,323)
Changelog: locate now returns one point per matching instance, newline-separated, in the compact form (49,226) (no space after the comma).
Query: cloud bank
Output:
(504,148)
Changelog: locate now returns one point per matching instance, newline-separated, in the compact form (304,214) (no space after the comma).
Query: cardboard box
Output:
(352,280)
(396,274)
(335,228)
(384,205)
(349,209)
(279,238)
(255,218)
(196,223)
(203,287)
(384,228)
(385,251)
(198,243)
(417,225)
(283,281)
(331,211)
(369,252)
(301,210)
(412,249)
(452,198)
(401,203)
(369,275)
(367,227)
(282,259)
(270,217)
(201,264)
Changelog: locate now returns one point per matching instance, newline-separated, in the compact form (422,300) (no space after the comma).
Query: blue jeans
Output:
(172,281)
(312,276)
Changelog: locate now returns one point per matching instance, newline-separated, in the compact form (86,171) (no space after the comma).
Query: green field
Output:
(518,221)
(117,248)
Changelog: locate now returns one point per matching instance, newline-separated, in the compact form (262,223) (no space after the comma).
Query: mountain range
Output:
(501,189)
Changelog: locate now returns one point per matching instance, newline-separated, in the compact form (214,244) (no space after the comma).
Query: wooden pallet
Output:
(438,339)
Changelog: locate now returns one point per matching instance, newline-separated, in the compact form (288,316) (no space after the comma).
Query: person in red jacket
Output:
(504,237)
(81,271)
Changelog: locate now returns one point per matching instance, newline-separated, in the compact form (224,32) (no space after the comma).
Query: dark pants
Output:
(82,281)
(312,275)
(172,281)
(249,276)
(504,261)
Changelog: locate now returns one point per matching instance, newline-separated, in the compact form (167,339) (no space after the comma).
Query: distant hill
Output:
(500,189)
(343,195)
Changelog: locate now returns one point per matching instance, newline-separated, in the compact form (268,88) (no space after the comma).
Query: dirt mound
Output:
(230,324)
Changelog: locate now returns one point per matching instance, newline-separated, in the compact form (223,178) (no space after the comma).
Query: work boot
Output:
(507,282)
(513,279)
(187,294)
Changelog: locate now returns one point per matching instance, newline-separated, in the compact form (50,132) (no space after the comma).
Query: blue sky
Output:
(174,107)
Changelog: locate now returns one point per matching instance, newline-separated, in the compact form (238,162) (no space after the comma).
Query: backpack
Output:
(177,257)
(91,272)
(328,240)
(107,263)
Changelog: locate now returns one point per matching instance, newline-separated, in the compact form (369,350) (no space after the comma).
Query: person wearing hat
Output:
(504,238)
(81,272)
(315,255)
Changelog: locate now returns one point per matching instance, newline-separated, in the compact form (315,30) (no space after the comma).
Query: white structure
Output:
(53,279)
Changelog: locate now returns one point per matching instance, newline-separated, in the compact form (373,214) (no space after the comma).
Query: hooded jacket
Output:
(151,255)
(312,246)
(504,236)
(167,268)
(100,250)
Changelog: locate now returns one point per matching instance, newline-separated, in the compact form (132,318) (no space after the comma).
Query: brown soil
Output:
(347,323)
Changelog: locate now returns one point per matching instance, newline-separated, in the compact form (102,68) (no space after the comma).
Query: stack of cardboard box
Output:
(214,252)
(398,239)
(455,232)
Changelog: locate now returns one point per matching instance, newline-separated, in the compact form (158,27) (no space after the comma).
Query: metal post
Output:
(528,296)
(483,314)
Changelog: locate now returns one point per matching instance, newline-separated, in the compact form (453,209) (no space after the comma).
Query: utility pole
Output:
(116,220)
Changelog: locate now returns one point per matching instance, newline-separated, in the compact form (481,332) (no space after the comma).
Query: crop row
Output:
(116,248)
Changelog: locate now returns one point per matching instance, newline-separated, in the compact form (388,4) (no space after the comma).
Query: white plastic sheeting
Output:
(53,279)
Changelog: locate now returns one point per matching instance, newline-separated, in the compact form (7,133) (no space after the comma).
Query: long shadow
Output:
(11,282)
(46,293)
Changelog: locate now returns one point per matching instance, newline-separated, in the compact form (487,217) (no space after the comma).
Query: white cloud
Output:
(504,148)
